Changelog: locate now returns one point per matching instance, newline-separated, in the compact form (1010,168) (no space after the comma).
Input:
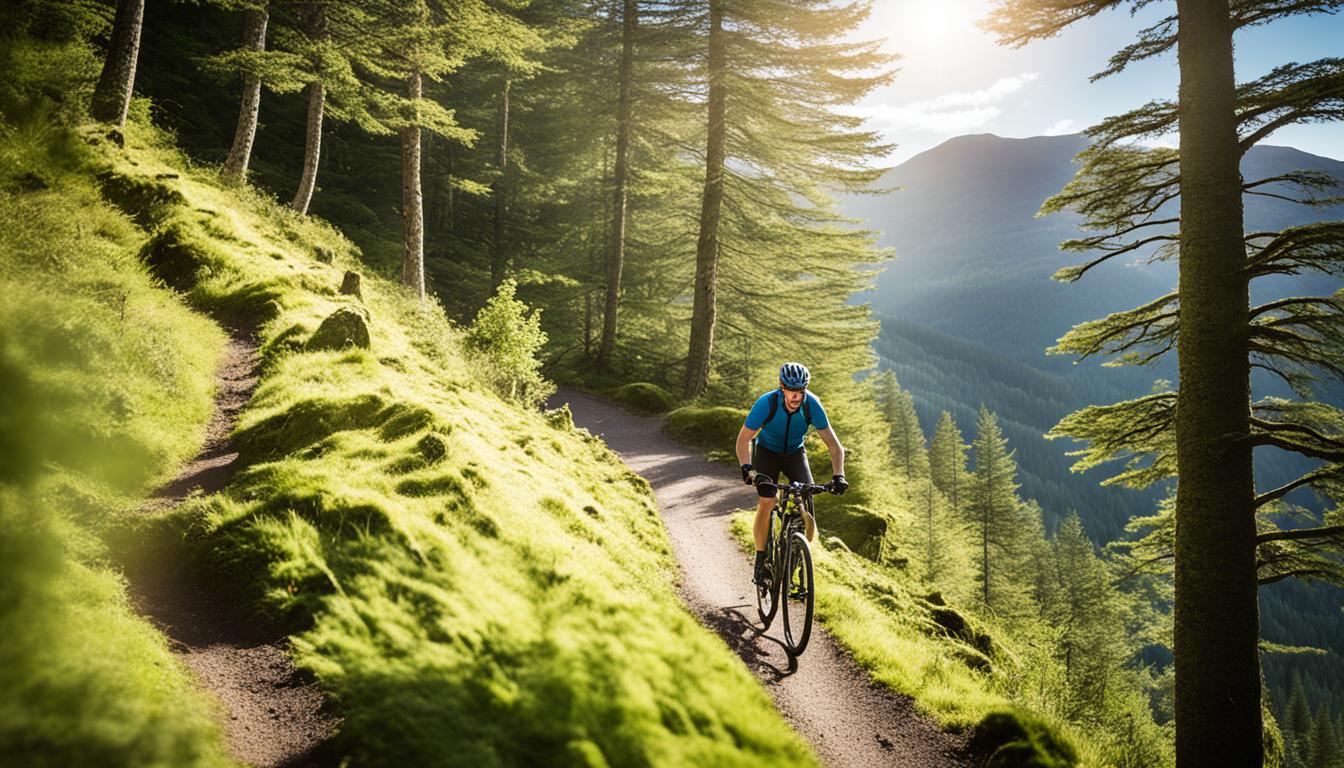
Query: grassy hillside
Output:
(108,385)
(471,582)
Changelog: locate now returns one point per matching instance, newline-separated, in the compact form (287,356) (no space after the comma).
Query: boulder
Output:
(346,327)
(350,285)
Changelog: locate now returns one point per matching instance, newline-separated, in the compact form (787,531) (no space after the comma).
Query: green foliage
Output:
(646,397)
(1015,739)
(506,338)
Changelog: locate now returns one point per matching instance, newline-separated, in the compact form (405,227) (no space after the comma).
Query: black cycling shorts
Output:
(769,463)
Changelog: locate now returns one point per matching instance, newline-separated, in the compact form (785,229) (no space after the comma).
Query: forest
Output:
(638,200)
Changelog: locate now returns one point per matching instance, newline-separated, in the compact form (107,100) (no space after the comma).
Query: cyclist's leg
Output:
(766,462)
(799,470)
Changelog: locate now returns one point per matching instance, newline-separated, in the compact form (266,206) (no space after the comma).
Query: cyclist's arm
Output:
(833,447)
(744,437)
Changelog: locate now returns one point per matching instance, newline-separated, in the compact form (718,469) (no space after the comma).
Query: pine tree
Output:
(1205,431)
(1325,751)
(993,513)
(933,536)
(704,298)
(1298,725)
(112,95)
(423,40)
(254,40)
(777,74)
(947,460)
(615,261)
(315,34)
(905,436)
(1085,609)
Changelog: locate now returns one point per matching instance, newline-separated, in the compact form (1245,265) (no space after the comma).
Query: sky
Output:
(954,79)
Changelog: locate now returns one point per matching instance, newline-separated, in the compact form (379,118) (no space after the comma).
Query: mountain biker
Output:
(778,421)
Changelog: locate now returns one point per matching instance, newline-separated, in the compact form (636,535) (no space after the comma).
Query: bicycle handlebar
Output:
(808,488)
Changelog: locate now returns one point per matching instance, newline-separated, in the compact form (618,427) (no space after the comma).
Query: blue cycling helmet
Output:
(794,376)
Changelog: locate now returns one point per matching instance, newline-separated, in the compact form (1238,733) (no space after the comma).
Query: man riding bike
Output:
(778,421)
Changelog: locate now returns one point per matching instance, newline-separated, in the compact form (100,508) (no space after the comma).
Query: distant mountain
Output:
(972,260)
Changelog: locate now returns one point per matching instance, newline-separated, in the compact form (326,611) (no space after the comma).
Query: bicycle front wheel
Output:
(797,594)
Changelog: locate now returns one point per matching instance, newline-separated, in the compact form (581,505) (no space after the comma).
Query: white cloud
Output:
(999,90)
(949,113)
(1061,128)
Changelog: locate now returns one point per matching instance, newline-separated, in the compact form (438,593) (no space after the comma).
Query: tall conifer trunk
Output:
(112,96)
(498,191)
(1218,720)
(317,100)
(707,246)
(616,254)
(412,203)
(254,38)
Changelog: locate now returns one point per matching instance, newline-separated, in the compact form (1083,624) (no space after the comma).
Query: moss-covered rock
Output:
(346,327)
(715,427)
(433,447)
(1015,739)
(176,256)
(862,530)
(646,397)
(144,199)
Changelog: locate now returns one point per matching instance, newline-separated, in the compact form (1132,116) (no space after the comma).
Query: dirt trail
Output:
(274,715)
(834,704)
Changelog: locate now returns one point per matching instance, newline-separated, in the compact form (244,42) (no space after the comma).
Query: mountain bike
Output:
(788,582)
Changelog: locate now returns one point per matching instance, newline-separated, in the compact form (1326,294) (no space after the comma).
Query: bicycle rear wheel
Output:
(767,595)
(797,594)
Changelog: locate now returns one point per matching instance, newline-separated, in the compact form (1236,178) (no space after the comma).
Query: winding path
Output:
(272,715)
(847,718)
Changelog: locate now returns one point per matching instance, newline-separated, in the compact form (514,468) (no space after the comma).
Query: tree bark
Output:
(254,38)
(313,148)
(412,203)
(112,96)
(707,246)
(498,259)
(317,99)
(1218,720)
(616,253)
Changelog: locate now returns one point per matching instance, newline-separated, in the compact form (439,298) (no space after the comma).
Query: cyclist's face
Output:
(793,398)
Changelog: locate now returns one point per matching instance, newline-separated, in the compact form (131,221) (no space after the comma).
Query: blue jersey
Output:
(784,432)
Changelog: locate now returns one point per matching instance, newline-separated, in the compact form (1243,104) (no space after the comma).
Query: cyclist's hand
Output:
(839,484)
(747,473)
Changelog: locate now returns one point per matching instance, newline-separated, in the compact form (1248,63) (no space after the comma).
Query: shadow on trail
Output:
(749,642)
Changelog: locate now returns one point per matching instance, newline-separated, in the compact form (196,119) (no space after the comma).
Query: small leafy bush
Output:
(504,341)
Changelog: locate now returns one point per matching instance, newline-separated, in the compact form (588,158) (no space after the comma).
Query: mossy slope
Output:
(107,383)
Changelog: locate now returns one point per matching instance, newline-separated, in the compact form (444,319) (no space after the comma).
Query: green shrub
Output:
(715,427)
(505,340)
(646,397)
